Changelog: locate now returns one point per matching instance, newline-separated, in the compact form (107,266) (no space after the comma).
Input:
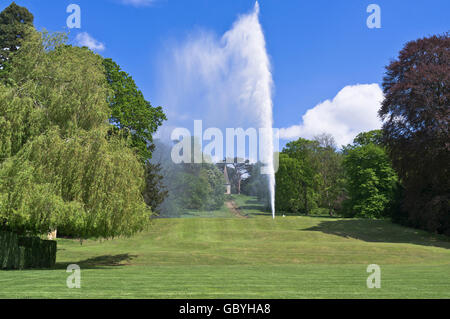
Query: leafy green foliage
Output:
(331,180)
(371,180)
(84,185)
(59,167)
(257,184)
(290,190)
(199,187)
(13,24)
(130,111)
(372,137)
(50,84)
(358,182)
(189,186)
(304,152)
(300,170)
(155,191)
(131,115)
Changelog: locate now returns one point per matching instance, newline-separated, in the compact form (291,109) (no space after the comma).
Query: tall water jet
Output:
(255,54)
(263,95)
(226,82)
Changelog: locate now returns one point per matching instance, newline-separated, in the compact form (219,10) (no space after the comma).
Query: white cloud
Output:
(86,40)
(139,3)
(353,110)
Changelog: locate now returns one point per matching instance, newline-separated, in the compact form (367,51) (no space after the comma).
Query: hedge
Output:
(17,252)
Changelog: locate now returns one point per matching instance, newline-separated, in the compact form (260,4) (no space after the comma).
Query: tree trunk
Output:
(306,200)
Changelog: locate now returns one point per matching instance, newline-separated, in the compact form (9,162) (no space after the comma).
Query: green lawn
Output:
(255,257)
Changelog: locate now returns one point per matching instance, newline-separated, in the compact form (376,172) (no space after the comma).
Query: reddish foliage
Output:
(416,116)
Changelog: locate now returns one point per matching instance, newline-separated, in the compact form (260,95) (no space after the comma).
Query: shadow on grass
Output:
(381,231)
(252,205)
(256,214)
(100,262)
(188,214)
(254,202)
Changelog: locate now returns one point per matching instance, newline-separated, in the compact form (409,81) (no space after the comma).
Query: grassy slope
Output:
(292,257)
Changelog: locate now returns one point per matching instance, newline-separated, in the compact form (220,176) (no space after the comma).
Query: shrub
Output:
(20,252)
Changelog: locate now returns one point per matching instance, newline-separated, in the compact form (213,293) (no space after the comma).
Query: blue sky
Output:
(316,48)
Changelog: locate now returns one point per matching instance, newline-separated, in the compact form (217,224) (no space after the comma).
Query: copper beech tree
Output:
(416,129)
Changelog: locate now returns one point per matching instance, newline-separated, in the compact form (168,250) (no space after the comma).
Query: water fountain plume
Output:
(226,82)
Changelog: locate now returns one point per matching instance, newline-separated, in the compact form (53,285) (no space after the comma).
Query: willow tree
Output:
(59,167)
(134,117)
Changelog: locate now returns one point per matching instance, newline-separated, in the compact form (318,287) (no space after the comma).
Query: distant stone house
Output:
(227,180)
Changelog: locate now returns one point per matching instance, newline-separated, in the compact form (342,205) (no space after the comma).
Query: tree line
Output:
(355,181)
(188,186)
(399,172)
